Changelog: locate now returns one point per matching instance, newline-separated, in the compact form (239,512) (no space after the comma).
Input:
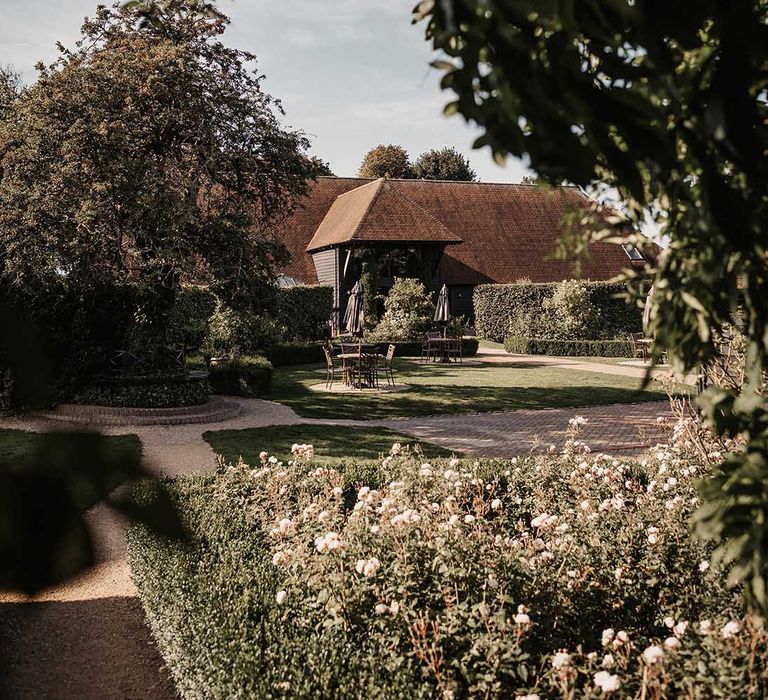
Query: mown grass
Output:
(468,388)
(331,442)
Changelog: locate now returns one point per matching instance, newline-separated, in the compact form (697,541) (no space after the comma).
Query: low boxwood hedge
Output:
(210,605)
(288,354)
(241,376)
(559,348)
(168,390)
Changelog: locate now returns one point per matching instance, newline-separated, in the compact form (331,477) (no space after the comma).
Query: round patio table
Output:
(356,356)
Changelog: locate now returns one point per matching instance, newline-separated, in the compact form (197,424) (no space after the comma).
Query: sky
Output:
(350,73)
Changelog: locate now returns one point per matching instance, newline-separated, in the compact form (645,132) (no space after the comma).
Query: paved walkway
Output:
(88,640)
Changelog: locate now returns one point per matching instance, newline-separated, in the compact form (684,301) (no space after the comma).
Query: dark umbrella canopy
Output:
(354,316)
(442,312)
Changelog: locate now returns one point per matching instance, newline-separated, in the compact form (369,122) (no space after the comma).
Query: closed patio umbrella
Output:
(647,311)
(354,317)
(442,312)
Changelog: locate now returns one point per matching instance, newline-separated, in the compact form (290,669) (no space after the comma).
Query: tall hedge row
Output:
(498,305)
(305,311)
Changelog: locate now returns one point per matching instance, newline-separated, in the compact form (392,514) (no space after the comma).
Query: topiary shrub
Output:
(585,348)
(241,376)
(167,390)
(303,313)
(531,310)
(408,312)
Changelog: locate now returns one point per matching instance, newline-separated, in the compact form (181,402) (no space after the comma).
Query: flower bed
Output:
(570,575)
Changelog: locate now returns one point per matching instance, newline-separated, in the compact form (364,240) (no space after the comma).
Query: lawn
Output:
(331,442)
(460,389)
(22,450)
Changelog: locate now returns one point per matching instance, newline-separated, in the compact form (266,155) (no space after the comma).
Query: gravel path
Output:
(87,640)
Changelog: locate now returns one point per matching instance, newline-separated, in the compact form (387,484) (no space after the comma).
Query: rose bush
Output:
(554,575)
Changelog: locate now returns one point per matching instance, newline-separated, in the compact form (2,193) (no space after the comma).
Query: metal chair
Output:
(454,349)
(386,365)
(638,347)
(331,369)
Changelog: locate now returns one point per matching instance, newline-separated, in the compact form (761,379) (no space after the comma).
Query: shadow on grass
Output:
(331,442)
(97,649)
(476,394)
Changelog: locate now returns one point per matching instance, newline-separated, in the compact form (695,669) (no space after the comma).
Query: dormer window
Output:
(632,252)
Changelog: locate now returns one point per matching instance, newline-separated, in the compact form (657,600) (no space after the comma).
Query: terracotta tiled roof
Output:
(379,211)
(508,231)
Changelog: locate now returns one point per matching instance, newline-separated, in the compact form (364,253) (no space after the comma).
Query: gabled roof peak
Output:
(379,211)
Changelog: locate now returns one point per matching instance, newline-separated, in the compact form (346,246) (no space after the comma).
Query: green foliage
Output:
(148,152)
(146,391)
(443,164)
(189,316)
(231,333)
(559,348)
(408,312)
(564,310)
(386,160)
(663,103)
(349,578)
(304,312)
(287,354)
(241,376)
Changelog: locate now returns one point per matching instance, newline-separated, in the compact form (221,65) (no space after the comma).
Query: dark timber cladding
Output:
(482,233)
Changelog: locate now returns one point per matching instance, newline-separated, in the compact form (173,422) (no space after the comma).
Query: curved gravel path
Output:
(87,640)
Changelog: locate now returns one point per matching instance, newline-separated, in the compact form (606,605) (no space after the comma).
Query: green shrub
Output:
(189,317)
(304,312)
(559,348)
(231,333)
(169,390)
(287,354)
(523,309)
(241,376)
(450,579)
(408,312)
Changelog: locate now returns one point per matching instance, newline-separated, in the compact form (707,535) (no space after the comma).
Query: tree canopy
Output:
(665,103)
(443,164)
(386,161)
(148,152)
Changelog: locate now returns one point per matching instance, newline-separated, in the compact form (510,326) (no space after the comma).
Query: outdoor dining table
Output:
(346,357)
(442,344)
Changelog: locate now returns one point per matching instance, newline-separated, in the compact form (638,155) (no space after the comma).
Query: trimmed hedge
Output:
(304,312)
(241,376)
(583,348)
(210,605)
(288,354)
(498,305)
(170,390)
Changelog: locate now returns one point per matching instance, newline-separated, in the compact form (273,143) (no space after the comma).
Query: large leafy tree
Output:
(665,102)
(386,161)
(149,152)
(443,164)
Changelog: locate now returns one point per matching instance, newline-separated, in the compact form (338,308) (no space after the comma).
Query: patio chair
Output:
(386,366)
(430,349)
(639,349)
(454,350)
(331,369)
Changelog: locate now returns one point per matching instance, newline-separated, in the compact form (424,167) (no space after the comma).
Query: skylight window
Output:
(632,252)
